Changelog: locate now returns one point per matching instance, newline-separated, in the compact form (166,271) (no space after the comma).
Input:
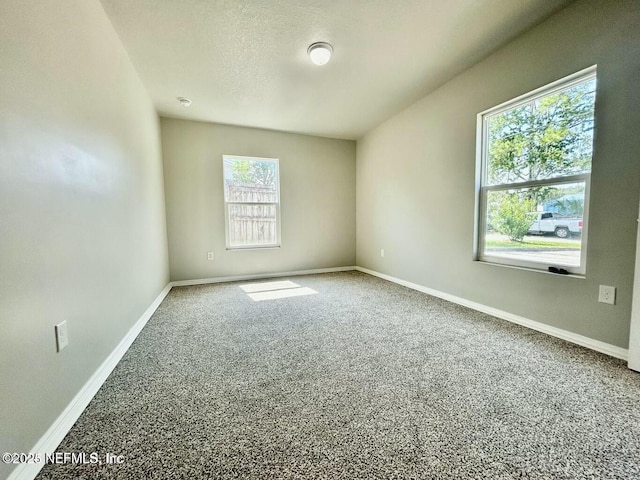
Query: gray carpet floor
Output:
(363,379)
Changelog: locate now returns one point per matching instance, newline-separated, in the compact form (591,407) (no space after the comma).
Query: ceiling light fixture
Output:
(185,102)
(320,52)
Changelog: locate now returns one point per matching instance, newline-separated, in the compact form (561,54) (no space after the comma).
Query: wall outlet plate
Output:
(209,255)
(607,294)
(62,337)
(382,252)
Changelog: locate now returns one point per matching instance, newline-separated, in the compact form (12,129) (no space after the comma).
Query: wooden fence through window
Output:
(252,215)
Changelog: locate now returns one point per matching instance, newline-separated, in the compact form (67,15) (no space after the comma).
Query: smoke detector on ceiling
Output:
(185,102)
(320,52)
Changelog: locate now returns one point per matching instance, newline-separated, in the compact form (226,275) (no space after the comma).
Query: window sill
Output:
(244,249)
(530,269)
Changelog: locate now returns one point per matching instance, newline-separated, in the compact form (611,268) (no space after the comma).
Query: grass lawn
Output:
(529,242)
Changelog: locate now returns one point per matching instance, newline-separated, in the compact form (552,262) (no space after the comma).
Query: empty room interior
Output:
(319,239)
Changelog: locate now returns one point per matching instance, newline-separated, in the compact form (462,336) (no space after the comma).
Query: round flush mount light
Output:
(185,102)
(320,52)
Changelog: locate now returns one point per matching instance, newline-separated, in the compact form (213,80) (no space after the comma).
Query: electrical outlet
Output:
(210,256)
(62,337)
(382,252)
(607,294)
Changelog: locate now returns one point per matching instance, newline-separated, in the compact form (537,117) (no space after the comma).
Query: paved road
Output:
(552,257)
(561,256)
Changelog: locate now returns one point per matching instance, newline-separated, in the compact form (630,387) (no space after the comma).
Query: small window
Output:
(252,201)
(534,173)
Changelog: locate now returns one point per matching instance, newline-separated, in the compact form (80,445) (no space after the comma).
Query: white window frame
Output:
(227,210)
(482,190)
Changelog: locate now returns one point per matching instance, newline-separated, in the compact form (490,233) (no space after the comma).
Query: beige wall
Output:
(416,176)
(82,224)
(317,191)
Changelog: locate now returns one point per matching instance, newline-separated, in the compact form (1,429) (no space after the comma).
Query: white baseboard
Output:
(56,433)
(587,342)
(203,281)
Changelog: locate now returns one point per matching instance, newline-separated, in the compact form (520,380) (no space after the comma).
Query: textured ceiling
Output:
(245,62)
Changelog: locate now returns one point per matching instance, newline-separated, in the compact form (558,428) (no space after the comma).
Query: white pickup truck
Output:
(561,226)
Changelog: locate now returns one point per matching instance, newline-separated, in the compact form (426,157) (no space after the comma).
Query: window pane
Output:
(547,137)
(252,225)
(541,224)
(251,181)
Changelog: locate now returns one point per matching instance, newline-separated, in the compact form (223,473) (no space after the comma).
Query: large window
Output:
(252,201)
(534,170)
